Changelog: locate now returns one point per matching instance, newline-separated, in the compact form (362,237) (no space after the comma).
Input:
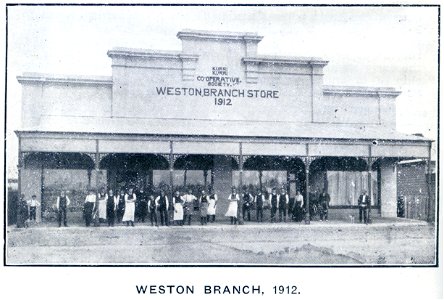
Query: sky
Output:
(365,46)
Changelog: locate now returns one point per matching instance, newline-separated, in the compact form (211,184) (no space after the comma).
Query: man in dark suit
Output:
(364,207)
(324,204)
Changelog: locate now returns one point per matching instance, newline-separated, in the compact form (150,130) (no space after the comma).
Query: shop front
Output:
(214,114)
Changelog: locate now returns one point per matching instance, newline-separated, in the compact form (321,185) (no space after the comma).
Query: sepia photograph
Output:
(222,135)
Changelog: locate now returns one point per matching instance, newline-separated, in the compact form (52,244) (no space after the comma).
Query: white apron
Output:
(178,212)
(232,209)
(130,207)
(211,207)
(102,209)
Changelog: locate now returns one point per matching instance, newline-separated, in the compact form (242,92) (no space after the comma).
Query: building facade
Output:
(216,113)
(416,192)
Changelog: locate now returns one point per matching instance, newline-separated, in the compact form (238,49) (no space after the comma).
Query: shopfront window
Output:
(182,179)
(252,179)
(345,187)
(75,182)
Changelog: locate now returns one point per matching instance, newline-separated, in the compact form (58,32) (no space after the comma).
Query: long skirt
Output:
(178,212)
(102,209)
(212,207)
(130,207)
(203,209)
(232,209)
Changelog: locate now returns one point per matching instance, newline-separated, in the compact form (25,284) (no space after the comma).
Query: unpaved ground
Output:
(296,244)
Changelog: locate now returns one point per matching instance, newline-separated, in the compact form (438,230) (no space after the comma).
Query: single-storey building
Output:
(216,113)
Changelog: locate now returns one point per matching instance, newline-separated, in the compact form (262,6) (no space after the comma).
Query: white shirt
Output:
(299,198)
(233,198)
(286,198)
(130,200)
(58,202)
(90,198)
(166,200)
(189,197)
(33,203)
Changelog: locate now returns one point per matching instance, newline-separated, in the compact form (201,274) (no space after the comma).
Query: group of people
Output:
(128,205)
(277,202)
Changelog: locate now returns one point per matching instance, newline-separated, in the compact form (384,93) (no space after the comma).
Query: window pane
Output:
(345,187)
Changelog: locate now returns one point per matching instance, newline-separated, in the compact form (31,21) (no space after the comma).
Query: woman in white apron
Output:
(211,217)
(102,198)
(232,206)
(178,209)
(130,207)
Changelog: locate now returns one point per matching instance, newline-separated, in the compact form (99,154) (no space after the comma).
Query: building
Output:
(214,113)
(416,189)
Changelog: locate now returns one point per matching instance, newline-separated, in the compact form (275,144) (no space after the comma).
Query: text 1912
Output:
(222,101)
(287,290)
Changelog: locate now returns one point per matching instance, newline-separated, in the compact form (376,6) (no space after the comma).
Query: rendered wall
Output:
(388,189)
(64,99)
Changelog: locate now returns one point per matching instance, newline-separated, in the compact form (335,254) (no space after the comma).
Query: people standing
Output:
(324,203)
(89,206)
(162,204)
(62,204)
(111,205)
(152,210)
(233,198)
(120,205)
(259,201)
(247,200)
(273,199)
(178,208)
(130,207)
(212,205)
(22,212)
(282,206)
(203,207)
(364,207)
(102,198)
(33,204)
(297,207)
(188,205)
(142,205)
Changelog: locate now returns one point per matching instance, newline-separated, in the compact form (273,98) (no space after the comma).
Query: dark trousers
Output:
(32,213)
(259,214)
(203,220)
(211,218)
(233,220)
(364,214)
(143,207)
(110,215)
(323,213)
(120,211)
(282,214)
(164,217)
(246,210)
(185,217)
(273,214)
(62,216)
(153,217)
(88,213)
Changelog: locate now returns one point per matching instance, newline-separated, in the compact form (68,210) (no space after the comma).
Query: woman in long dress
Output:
(203,207)
(178,209)
(212,206)
(232,206)
(102,197)
(111,204)
(130,207)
